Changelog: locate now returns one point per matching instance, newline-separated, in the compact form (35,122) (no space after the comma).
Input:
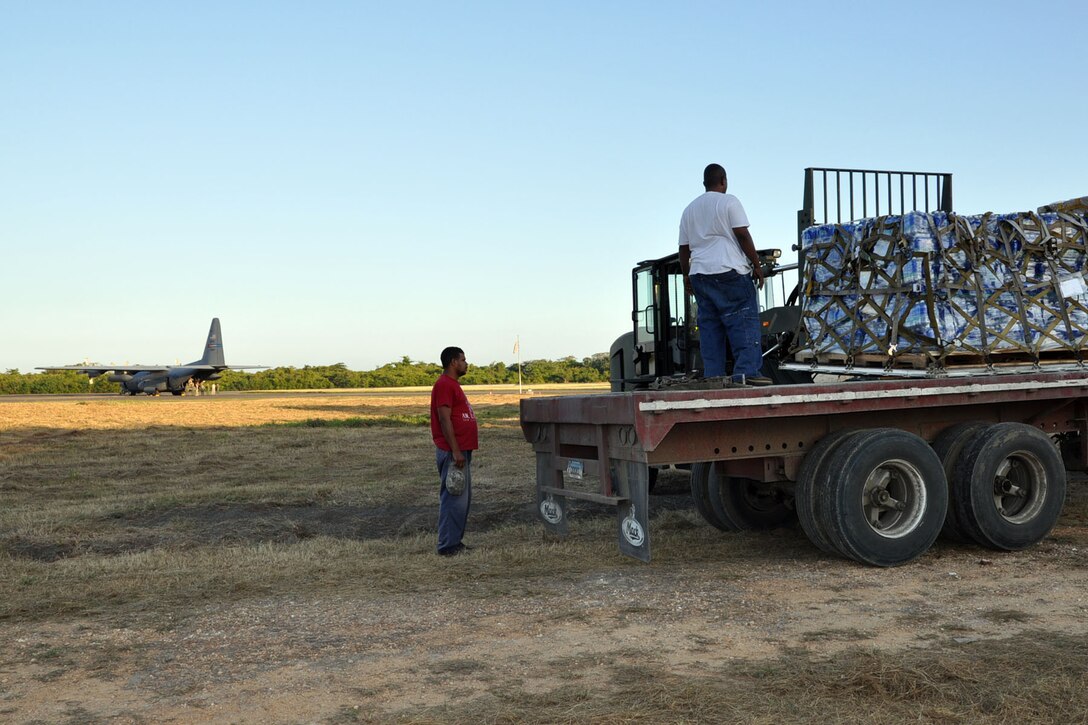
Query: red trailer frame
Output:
(765,434)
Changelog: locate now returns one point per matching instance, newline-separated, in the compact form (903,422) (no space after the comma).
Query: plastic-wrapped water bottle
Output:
(455,481)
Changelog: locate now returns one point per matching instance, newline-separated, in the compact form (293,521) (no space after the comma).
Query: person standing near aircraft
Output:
(455,435)
(719,260)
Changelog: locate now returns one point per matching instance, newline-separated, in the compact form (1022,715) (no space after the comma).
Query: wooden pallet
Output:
(912,361)
(922,361)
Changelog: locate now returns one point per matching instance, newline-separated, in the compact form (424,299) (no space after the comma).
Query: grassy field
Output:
(271,560)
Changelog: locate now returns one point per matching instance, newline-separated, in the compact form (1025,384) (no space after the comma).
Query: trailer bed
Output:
(599,447)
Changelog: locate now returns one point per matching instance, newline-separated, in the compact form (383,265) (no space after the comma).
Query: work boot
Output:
(746,380)
(453,550)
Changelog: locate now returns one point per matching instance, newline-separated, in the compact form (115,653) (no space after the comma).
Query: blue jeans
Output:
(452,510)
(728,310)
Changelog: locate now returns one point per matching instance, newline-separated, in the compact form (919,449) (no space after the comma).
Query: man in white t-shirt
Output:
(719,261)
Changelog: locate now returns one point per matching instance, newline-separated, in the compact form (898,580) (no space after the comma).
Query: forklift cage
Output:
(829,193)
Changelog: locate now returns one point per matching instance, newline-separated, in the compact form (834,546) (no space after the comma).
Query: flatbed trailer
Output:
(873,469)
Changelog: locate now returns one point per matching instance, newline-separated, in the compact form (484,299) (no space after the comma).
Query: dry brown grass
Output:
(140,524)
(119,413)
(238,502)
(115,521)
(234,410)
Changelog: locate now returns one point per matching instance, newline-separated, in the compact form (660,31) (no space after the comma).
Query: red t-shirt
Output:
(447,392)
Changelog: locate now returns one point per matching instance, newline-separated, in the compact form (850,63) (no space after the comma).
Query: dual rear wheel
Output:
(882,496)
(876,496)
(1007,486)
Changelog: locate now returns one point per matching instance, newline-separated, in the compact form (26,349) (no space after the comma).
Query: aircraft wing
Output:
(203,366)
(95,370)
(100,369)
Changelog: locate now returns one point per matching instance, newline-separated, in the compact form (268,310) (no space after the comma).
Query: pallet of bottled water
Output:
(939,291)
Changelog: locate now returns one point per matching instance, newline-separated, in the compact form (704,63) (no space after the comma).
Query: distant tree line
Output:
(403,373)
(14,382)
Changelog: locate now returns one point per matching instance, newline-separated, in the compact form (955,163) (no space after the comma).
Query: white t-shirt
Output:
(707,228)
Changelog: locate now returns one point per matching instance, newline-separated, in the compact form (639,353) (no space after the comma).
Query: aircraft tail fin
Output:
(213,350)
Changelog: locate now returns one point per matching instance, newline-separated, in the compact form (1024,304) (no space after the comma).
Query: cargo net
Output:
(934,290)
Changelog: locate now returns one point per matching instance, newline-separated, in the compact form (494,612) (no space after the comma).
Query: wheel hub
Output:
(1020,487)
(894,498)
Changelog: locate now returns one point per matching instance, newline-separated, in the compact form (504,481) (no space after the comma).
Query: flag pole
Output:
(517,347)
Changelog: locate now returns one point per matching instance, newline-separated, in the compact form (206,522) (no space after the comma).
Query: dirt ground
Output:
(426,657)
(299,659)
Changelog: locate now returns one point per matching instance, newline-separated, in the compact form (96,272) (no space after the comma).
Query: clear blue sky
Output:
(358,181)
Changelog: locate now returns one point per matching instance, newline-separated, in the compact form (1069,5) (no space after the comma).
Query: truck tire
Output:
(948,446)
(745,504)
(808,476)
(700,495)
(885,499)
(1009,486)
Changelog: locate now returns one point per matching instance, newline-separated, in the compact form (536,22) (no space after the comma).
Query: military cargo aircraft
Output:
(155,379)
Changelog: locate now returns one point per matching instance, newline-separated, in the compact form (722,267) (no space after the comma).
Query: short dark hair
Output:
(713,175)
(449,355)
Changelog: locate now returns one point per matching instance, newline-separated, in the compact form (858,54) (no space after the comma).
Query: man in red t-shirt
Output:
(453,428)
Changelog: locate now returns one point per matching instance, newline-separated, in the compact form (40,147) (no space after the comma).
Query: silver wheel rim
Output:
(1020,487)
(894,499)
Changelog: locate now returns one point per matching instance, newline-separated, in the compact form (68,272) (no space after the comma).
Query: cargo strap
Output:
(993,284)
(870,297)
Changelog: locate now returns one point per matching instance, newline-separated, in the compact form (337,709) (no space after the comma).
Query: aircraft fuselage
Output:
(173,380)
